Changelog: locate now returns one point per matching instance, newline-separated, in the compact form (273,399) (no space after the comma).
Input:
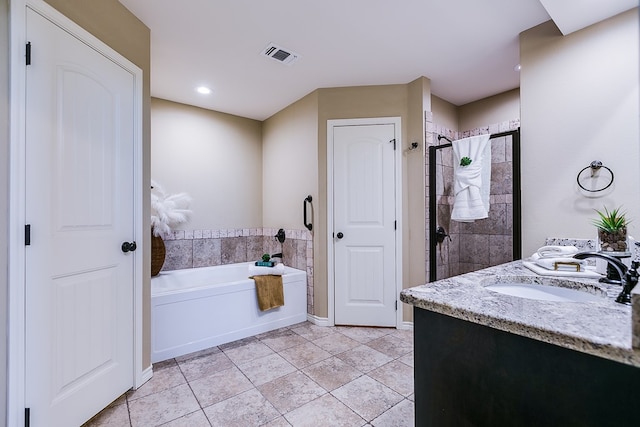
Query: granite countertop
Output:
(602,328)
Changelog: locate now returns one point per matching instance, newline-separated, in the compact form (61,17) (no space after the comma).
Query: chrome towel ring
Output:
(594,168)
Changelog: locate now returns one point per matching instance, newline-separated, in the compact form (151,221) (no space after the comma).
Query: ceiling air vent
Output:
(283,56)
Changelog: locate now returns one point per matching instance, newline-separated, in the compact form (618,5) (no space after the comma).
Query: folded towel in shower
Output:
(555,251)
(472,178)
(562,264)
(276,270)
(269,291)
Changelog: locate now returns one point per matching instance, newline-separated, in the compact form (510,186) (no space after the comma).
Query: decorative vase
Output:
(613,242)
(158,253)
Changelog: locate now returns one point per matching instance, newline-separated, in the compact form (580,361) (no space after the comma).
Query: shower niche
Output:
(461,247)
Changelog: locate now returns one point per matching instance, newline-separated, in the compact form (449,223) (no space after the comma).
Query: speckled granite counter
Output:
(602,328)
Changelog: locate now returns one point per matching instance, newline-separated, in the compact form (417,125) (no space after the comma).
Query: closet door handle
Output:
(339,235)
(308,200)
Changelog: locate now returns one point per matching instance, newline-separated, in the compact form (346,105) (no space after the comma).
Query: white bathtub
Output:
(198,308)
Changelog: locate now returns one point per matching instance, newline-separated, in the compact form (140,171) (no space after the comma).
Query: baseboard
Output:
(408,326)
(145,376)
(319,321)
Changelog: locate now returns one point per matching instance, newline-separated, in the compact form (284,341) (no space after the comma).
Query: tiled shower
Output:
(483,243)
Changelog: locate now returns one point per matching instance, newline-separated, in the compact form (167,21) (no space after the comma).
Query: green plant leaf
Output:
(465,161)
(610,221)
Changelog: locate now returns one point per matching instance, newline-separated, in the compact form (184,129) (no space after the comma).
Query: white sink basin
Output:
(544,289)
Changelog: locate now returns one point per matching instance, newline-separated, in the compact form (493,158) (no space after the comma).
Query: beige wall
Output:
(413,189)
(290,163)
(112,23)
(351,103)
(494,109)
(579,103)
(214,157)
(4,196)
(444,113)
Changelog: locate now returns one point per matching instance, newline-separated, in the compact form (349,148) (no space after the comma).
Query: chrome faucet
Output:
(628,277)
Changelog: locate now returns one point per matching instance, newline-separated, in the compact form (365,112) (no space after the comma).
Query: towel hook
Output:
(594,167)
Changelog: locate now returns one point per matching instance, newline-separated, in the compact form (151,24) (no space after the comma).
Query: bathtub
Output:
(198,308)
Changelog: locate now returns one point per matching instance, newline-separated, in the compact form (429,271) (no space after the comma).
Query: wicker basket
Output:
(158,252)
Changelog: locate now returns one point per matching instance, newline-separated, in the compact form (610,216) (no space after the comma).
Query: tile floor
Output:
(302,375)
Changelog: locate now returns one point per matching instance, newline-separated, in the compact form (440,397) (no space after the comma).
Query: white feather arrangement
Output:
(167,211)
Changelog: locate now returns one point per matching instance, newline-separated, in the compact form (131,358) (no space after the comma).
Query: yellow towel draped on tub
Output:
(269,291)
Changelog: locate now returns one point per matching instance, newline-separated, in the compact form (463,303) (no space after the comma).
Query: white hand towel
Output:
(556,251)
(276,270)
(472,182)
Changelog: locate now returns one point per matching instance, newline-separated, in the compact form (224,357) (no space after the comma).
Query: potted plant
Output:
(612,230)
(167,211)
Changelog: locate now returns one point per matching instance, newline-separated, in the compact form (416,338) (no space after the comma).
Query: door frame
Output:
(397,122)
(16,351)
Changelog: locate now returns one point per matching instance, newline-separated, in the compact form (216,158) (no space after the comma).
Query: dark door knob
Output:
(129,247)
(339,235)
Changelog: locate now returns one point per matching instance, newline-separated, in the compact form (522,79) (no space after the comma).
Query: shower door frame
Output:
(517,199)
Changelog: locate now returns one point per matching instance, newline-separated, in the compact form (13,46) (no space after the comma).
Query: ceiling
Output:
(467,48)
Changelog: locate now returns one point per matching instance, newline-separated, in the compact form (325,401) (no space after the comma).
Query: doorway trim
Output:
(17,205)
(331,124)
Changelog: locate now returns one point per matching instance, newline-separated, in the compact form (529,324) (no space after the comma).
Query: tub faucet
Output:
(628,277)
(278,255)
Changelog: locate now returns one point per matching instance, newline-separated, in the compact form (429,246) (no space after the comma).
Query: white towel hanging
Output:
(472,178)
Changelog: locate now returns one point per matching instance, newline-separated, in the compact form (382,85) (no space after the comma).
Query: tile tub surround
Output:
(205,248)
(601,328)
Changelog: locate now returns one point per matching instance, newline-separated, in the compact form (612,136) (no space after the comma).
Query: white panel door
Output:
(79,203)
(364,225)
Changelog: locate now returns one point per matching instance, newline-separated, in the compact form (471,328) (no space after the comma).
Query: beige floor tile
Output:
(291,391)
(166,375)
(391,346)
(404,334)
(324,411)
(113,416)
(367,397)
(312,332)
(332,373)
(204,366)
(363,334)
(395,375)
(247,352)
(163,407)
(407,359)
(237,343)
(304,355)
(401,415)
(220,386)
(336,343)
(278,422)
(194,419)
(267,368)
(247,409)
(283,340)
(364,358)
(275,332)
(201,353)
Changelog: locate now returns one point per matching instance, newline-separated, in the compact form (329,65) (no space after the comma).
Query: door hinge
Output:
(28,53)
(394,143)
(27,235)
(27,417)
(395,225)
(396,305)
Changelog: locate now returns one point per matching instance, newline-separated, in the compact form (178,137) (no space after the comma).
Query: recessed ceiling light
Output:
(203,90)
